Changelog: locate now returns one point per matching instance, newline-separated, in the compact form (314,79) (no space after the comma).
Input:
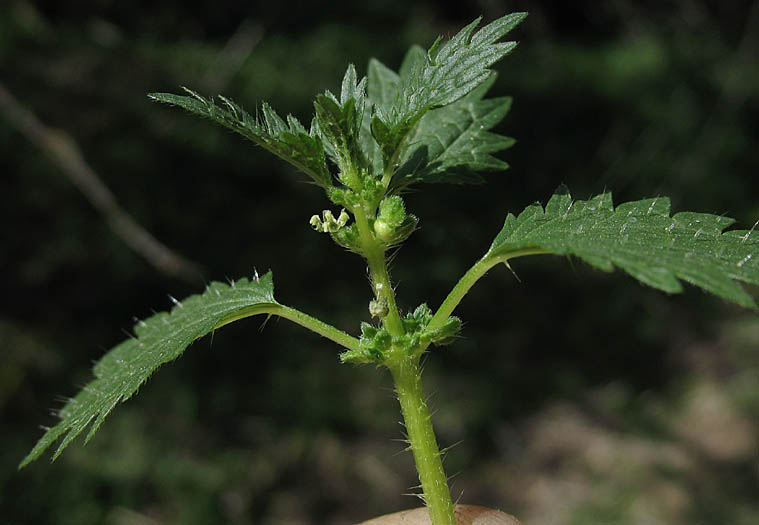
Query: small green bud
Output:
(383,340)
(447,333)
(402,232)
(368,331)
(356,357)
(337,195)
(409,343)
(418,319)
(423,313)
(372,191)
(392,211)
(392,215)
(348,237)
(374,342)
(343,197)
(383,230)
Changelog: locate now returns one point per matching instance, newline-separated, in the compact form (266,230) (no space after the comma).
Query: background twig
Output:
(64,151)
(232,57)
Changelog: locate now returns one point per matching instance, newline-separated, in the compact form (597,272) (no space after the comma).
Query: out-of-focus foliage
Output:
(641,101)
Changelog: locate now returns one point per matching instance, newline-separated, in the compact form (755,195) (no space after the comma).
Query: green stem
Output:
(318,326)
(374,251)
(421,437)
(466,282)
(383,288)
(298,317)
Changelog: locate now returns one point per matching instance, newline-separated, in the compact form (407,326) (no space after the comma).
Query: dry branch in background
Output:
(232,57)
(65,152)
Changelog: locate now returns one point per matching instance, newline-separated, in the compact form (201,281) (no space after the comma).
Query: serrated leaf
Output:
(640,238)
(437,78)
(340,128)
(157,340)
(453,143)
(454,68)
(289,141)
(382,86)
(340,123)
(352,88)
(369,147)
(414,59)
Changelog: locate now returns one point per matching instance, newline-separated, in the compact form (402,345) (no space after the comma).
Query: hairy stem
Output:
(421,437)
(320,327)
(479,269)
(298,317)
(374,251)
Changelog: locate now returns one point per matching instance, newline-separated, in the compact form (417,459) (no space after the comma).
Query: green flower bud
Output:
(374,342)
(383,230)
(418,319)
(391,217)
(337,195)
(343,197)
(372,191)
(348,237)
(392,211)
(447,333)
(368,332)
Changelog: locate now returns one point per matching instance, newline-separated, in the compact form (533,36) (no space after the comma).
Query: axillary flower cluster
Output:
(377,345)
(387,225)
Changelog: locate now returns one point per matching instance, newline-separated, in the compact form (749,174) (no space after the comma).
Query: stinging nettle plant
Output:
(428,123)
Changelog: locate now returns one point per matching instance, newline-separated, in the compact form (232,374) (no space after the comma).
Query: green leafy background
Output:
(578,397)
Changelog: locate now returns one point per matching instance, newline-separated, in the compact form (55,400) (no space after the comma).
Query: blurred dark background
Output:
(575,397)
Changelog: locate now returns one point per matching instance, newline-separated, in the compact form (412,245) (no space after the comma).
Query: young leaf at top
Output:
(339,124)
(452,144)
(440,77)
(381,92)
(288,140)
(158,340)
(640,238)
(382,85)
